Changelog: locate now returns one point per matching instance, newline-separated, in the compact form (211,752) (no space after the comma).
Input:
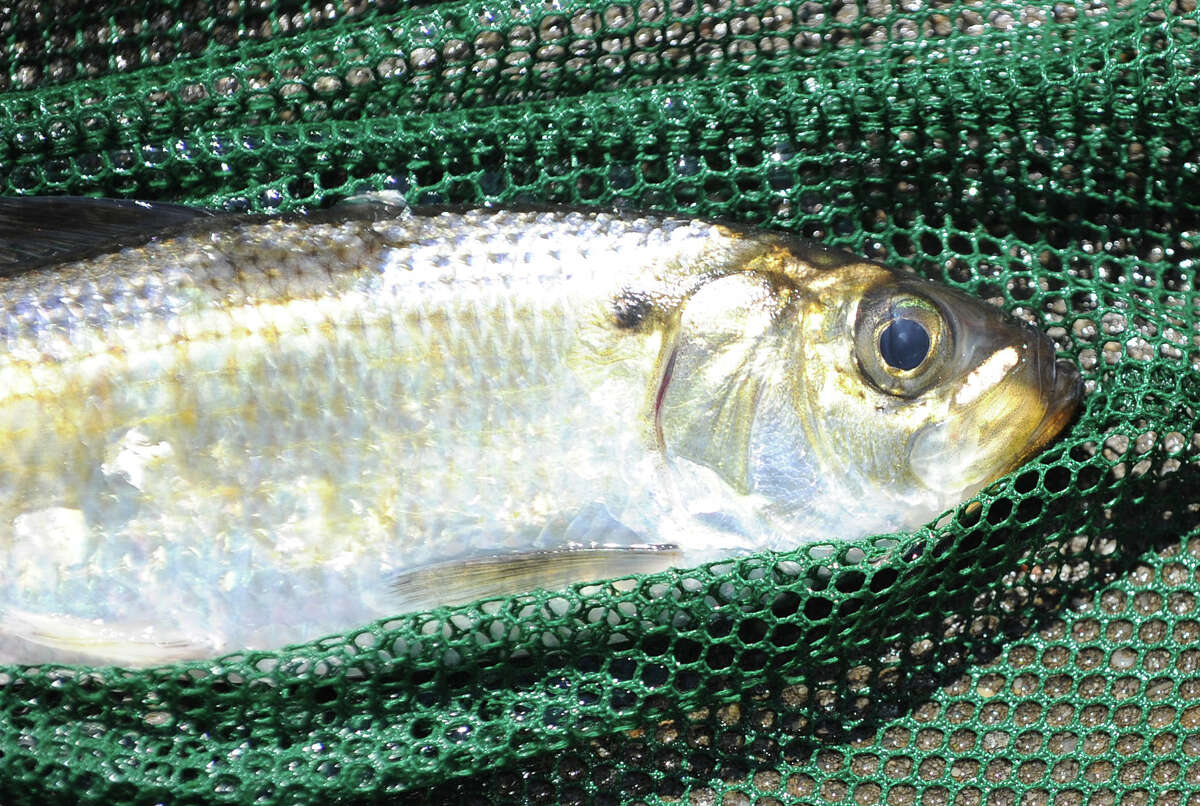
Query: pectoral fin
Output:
(469,580)
(107,642)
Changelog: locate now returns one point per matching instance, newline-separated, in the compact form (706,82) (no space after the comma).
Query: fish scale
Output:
(244,432)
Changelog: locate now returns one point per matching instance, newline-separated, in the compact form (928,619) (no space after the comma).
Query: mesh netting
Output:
(1038,645)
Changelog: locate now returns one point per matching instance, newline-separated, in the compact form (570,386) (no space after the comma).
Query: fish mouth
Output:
(1065,390)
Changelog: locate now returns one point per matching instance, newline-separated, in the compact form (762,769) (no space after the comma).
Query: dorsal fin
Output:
(39,230)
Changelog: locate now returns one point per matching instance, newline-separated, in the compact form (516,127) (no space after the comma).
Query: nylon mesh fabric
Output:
(1039,645)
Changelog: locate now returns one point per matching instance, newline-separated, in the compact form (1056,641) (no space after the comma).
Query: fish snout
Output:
(1061,388)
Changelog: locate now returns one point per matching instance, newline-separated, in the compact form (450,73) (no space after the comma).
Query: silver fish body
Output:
(246,433)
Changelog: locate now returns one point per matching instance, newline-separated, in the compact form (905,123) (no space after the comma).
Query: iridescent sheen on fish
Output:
(250,432)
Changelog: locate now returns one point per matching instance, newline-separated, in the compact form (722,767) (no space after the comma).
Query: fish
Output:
(231,432)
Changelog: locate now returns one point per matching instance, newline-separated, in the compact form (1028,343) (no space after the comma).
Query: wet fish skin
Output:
(249,432)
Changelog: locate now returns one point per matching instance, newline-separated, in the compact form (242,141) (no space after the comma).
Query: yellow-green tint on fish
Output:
(822,427)
(223,433)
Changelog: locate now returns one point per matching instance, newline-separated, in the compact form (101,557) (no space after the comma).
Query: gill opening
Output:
(660,396)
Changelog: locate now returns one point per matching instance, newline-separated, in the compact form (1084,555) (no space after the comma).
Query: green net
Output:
(1039,645)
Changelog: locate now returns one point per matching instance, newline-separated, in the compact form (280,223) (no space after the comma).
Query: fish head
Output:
(842,398)
(917,395)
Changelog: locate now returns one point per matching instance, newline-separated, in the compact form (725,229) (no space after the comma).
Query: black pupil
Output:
(904,344)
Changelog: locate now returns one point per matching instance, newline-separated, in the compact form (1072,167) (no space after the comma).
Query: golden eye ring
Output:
(902,342)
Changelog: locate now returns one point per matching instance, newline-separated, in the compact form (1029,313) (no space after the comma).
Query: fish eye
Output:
(903,340)
(904,344)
